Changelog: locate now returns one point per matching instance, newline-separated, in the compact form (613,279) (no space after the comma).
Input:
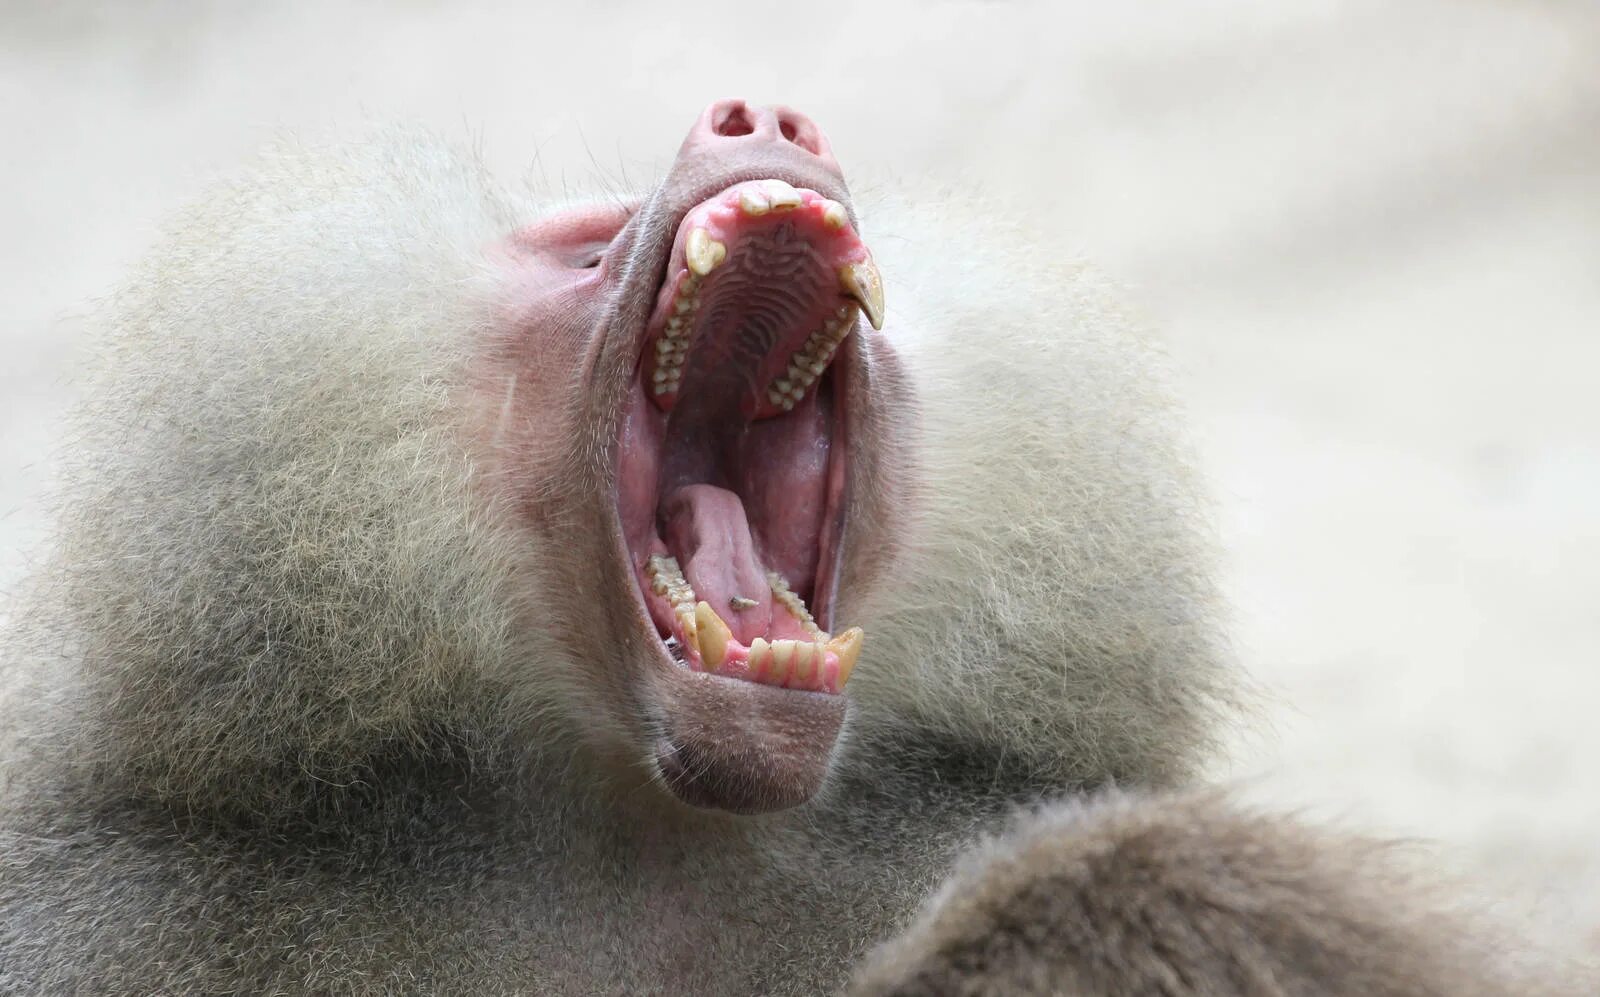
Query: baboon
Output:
(461,594)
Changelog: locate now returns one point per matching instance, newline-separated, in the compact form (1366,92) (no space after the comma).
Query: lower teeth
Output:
(706,639)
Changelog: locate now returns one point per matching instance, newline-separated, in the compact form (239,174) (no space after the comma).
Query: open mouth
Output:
(732,469)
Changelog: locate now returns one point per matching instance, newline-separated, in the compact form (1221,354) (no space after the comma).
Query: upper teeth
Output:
(673,345)
(863,282)
(703,253)
(810,360)
(782,195)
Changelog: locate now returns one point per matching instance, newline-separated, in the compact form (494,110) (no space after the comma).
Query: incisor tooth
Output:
(863,282)
(847,646)
(782,195)
(713,635)
(804,661)
(703,252)
(782,657)
(752,203)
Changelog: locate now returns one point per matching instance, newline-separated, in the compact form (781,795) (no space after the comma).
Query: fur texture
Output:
(275,727)
(1185,894)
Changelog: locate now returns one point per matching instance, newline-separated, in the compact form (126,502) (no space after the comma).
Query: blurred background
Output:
(1368,231)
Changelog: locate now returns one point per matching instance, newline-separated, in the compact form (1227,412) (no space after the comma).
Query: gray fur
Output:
(1187,894)
(273,725)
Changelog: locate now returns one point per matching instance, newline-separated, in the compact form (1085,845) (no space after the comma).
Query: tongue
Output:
(707,532)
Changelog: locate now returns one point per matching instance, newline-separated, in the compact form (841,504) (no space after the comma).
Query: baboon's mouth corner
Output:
(732,468)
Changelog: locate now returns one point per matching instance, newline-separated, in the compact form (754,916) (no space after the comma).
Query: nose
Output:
(736,128)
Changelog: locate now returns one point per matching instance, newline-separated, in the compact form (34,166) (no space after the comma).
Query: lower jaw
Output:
(741,747)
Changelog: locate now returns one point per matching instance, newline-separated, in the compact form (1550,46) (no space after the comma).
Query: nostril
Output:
(733,120)
(798,129)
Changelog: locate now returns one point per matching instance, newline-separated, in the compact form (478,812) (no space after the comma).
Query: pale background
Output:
(1369,233)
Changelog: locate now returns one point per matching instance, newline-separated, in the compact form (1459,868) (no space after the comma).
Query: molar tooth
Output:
(834,215)
(760,655)
(703,253)
(816,367)
(788,404)
(660,375)
(682,305)
(781,194)
(660,389)
(752,202)
(713,635)
(847,647)
(863,282)
(782,385)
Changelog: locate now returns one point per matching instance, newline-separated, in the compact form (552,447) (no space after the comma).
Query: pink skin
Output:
(561,265)
(591,464)
(712,471)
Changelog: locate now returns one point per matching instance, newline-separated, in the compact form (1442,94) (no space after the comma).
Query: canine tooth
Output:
(703,252)
(714,635)
(834,215)
(782,659)
(751,202)
(847,647)
(781,194)
(863,282)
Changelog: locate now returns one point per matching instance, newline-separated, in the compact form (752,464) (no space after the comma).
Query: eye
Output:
(586,255)
(577,239)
